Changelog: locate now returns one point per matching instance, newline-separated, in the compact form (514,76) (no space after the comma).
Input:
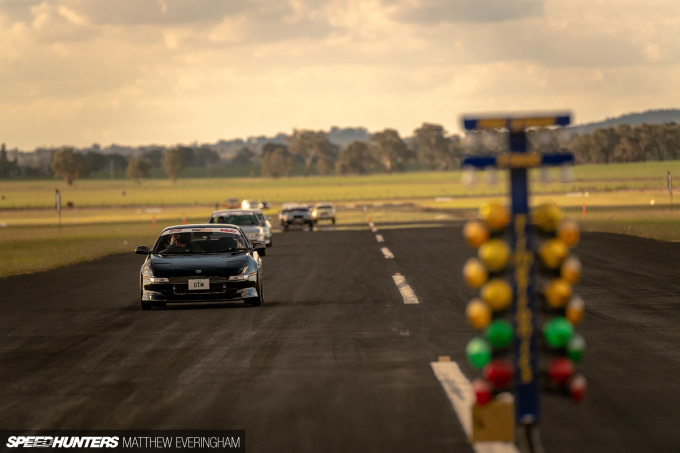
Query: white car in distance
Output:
(247,219)
(323,211)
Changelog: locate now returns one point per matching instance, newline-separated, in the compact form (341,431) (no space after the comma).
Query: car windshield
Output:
(182,241)
(243,219)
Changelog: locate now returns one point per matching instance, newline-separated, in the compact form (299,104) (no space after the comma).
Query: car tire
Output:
(259,299)
(146,305)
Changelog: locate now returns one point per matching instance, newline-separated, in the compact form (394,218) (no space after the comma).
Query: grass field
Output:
(418,185)
(114,216)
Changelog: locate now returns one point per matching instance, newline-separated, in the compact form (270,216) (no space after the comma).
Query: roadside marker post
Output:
(670,188)
(58,206)
(518,160)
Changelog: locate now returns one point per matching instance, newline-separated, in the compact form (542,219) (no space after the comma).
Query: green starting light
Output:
(557,332)
(478,352)
(576,347)
(499,333)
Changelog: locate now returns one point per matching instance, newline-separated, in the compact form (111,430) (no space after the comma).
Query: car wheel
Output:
(146,305)
(259,299)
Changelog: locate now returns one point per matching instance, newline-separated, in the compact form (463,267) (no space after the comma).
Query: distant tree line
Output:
(625,143)
(71,164)
(433,148)
(383,151)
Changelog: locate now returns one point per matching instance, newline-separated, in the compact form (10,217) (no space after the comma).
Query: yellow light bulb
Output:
(495,254)
(475,233)
(497,294)
(478,314)
(474,273)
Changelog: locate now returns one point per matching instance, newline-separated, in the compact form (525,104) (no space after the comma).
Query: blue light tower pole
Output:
(518,160)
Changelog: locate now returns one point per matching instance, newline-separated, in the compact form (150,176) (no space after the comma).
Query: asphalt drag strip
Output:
(334,360)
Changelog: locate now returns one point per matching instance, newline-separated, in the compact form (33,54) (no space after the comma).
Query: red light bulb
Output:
(499,373)
(482,391)
(560,370)
(577,388)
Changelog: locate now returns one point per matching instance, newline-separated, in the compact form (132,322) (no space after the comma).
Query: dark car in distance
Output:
(201,263)
(296,215)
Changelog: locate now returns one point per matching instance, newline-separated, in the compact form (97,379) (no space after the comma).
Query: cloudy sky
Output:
(136,72)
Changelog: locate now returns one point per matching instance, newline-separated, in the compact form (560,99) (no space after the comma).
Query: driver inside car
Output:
(181,243)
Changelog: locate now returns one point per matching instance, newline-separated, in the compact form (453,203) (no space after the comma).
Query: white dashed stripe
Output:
(379,238)
(385,251)
(406,292)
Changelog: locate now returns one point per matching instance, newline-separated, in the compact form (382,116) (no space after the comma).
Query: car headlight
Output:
(243,275)
(148,275)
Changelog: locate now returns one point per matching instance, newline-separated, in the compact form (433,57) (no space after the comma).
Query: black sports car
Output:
(201,263)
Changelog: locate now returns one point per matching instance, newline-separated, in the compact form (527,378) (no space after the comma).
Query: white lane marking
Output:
(406,292)
(385,251)
(371,225)
(379,238)
(460,393)
(374,229)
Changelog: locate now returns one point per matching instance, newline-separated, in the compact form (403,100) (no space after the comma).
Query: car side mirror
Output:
(259,246)
(142,250)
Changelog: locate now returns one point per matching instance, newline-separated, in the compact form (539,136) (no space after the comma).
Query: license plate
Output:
(198,284)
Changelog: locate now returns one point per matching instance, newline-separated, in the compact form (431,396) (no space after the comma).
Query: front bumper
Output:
(297,221)
(221,290)
(255,237)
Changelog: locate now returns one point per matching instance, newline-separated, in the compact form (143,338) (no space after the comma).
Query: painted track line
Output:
(386,252)
(460,393)
(379,238)
(406,292)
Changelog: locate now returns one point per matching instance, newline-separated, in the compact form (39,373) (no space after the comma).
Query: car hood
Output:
(209,265)
(251,229)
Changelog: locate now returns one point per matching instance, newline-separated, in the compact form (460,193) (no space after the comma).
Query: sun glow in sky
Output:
(131,72)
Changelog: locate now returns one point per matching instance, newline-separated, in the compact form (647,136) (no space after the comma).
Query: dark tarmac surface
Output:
(334,360)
